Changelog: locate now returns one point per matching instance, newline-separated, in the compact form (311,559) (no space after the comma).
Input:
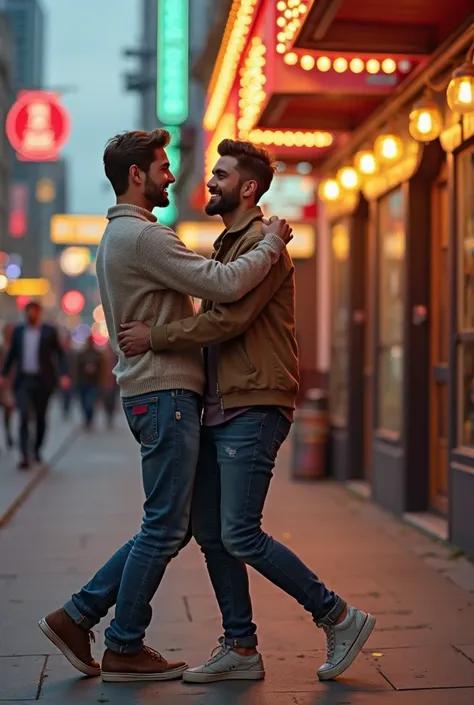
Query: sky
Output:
(84,41)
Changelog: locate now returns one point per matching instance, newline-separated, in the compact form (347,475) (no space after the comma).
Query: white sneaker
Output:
(345,641)
(226,664)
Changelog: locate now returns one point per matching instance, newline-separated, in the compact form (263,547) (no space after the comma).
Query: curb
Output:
(36,478)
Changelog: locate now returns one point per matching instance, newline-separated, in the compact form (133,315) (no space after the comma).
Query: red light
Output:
(73,302)
(17,224)
(22,302)
(99,339)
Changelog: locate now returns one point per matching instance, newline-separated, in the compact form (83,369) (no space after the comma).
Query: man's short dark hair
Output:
(33,305)
(129,148)
(253,163)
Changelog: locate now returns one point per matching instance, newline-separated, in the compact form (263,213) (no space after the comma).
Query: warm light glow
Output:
(302,8)
(460,94)
(281,36)
(340,65)
(73,302)
(233,43)
(291,58)
(252,80)
(388,148)
(365,162)
(281,6)
(389,66)
(290,138)
(357,65)
(281,22)
(348,178)
(373,66)
(98,314)
(28,287)
(75,260)
(425,120)
(3,282)
(225,128)
(323,63)
(307,62)
(329,190)
(281,48)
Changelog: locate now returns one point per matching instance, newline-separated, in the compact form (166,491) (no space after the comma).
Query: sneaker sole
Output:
(109,677)
(225,676)
(71,657)
(354,651)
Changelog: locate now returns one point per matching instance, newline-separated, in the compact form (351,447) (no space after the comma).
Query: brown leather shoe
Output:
(72,640)
(146,665)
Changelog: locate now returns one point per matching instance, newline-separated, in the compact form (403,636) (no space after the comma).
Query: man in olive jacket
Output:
(251,364)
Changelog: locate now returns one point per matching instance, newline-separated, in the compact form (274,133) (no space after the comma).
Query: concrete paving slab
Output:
(424,668)
(20,677)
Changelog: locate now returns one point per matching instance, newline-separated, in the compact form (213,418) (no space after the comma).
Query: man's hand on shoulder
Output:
(134,338)
(279,227)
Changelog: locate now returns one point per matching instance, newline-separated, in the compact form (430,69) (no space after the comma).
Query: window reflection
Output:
(340,321)
(390,280)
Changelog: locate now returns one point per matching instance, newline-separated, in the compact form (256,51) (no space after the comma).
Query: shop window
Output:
(339,322)
(466,282)
(391,269)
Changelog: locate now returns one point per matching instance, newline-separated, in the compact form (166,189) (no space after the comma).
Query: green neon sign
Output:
(172,62)
(169,215)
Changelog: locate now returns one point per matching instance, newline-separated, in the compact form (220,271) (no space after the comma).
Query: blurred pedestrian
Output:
(7,402)
(67,394)
(88,370)
(109,386)
(38,357)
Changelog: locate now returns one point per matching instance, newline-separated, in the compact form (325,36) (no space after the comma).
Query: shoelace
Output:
(221,650)
(154,654)
(331,640)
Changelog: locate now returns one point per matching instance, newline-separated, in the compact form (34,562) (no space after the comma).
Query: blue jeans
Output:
(88,396)
(167,426)
(235,467)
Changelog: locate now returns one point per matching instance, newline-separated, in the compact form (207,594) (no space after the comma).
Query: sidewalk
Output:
(421,653)
(16,485)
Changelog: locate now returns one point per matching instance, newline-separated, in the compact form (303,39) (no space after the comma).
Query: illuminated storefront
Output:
(387,129)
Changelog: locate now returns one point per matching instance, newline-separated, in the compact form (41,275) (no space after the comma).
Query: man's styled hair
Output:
(252,162)
(131,148)
(33,305)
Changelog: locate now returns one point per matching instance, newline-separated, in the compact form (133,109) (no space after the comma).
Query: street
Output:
(421,653)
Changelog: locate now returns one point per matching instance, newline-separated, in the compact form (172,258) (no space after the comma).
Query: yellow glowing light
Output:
(307,62)
(75,260)
(460,94)
(365,163)
(45,191)
(425,120)
(98,314)
(291,58)
(373,66)
(302,8)
(388,148)
(233,43)
(389,66)
(329,190)
(288,14)
(281,6)
(281,22)
(3,282)
(340,65)
(281,36)
(323,63)
(348,178)
(356,65)
(281,48)
(296,12)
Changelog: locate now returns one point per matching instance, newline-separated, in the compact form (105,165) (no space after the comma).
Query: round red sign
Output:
(37,126)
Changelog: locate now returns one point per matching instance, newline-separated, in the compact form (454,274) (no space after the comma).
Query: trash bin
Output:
(311,436)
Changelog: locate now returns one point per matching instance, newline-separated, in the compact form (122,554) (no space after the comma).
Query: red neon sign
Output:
(37,126)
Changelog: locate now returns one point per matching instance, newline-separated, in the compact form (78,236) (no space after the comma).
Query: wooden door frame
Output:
(436,239)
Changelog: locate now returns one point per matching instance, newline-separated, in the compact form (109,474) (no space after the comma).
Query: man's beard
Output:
(155,195)
(224,203)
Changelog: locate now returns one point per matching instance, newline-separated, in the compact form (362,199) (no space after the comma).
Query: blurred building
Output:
(37,188)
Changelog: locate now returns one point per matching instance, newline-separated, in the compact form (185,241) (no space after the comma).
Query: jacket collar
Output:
(241,224)
(126,209)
